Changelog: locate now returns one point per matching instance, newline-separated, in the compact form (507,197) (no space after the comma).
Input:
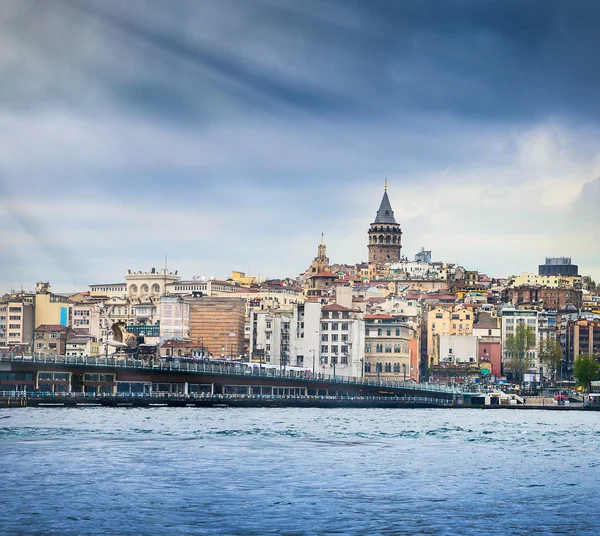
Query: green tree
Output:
(517,345)
(586,369)
(550,354)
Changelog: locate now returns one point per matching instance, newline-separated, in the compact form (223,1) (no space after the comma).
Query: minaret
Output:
(385,235)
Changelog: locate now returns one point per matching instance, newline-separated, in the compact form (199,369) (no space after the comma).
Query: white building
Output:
(174,318)
(459,349)
(511,318)
(329,339)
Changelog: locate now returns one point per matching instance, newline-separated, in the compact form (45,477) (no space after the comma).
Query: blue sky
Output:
(230,133)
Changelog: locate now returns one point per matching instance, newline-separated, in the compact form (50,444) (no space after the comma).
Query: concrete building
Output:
(542,297)
(423,256)
(51,308)
(385,235)
(511,318)
(582,339)
(109,290)
(446,320)
(51,339)
(218,323)
(328,339)
(387,348)
(86,317)
(458,349)
(16,320)
(174,318)
(558,266)
(151,284)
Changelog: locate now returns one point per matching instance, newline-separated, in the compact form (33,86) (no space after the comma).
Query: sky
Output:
(229,134)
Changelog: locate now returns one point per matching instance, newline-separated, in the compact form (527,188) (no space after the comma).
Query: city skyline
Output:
(229,135)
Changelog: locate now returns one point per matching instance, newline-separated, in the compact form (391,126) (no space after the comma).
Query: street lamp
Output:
(313,360)
(404,369)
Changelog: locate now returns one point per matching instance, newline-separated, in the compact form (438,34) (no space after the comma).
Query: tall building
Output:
(385,235)
(218,324)
(558,266)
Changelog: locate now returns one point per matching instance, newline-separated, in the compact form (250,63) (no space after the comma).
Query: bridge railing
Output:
(235,369)
(191,397)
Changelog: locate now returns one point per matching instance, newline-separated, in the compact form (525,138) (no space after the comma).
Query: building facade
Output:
(387,348)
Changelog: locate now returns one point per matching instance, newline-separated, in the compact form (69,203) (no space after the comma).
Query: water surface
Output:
(298,471)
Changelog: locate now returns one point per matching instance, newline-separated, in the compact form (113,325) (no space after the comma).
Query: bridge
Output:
(200,383)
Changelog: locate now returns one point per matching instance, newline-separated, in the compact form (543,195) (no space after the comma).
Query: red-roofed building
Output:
(51,339)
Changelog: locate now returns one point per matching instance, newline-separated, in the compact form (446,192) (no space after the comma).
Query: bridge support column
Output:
(185,388)
(212,388)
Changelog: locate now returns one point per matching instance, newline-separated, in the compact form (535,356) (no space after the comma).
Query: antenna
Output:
(165,263)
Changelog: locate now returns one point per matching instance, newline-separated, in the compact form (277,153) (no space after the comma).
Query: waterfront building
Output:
(218,323)
(79,344)
(16,320)
(511,318)
(174,318)
(51,339)
(385,235)
(446,320)
(86,316)
(582,339)
(387,348)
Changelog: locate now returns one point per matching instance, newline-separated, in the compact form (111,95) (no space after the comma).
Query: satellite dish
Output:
(203,278)
(212,277)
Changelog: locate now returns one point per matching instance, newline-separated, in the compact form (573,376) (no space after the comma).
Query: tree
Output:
(586,369)
(517,345)
(550,353)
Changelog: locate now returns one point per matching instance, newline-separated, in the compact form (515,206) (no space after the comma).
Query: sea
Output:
(226,471)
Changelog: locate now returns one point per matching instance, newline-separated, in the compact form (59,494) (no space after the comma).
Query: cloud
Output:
(231,133)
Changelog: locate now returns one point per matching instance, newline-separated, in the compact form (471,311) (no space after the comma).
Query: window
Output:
(268,324)
(14,317)
(53,335)
(439,315)
(52,346)
(39,344)
(344,360)
(396,367)
(432,326)
(344,349)
(367,367)
(388,367)
(388,332)
(379,367)
(379,332)
(379,348)
(367,332)
(345,326)
(453,326)
(368,349)
(324,348)
(324,359)
(334,337)
(344,338)
(397,333)
(388,348)
(324,337)
(334,326)
(267,347)
(324,326)
(334,349)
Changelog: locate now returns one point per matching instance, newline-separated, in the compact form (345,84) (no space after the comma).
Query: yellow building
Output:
(50,308)
(447,320)
(241,279)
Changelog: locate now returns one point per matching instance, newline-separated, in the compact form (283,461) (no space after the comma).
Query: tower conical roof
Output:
(385,214)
